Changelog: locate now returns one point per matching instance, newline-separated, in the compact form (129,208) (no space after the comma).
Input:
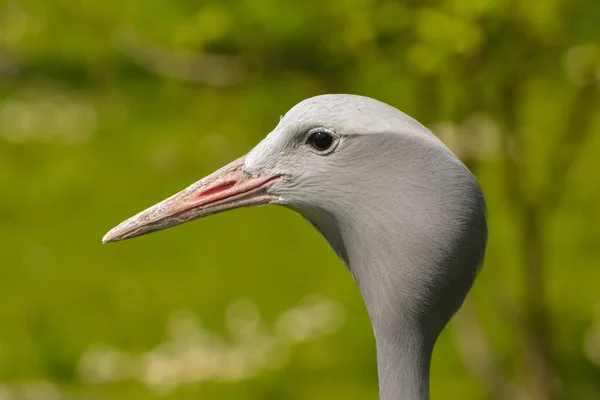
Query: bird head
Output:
(396,205)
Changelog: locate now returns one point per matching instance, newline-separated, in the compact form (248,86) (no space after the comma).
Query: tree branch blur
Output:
(569,145)
(536,321)
(531,213)
(8,65)
(211,69)
(477,355)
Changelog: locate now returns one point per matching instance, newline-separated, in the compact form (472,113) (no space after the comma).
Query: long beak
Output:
(223,190)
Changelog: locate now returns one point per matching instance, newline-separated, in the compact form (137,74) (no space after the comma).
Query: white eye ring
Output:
(322,140)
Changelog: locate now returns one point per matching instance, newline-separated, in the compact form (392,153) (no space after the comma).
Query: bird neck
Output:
(404,341)
(403,361)
(404,336)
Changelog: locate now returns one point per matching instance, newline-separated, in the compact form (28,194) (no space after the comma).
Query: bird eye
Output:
(321,140)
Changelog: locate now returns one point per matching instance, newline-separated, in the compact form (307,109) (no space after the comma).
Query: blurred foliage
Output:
(109,106)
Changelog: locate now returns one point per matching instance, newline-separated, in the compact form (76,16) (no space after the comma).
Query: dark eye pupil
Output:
(321,140)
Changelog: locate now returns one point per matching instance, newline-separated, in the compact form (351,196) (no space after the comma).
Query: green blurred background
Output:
(107,107)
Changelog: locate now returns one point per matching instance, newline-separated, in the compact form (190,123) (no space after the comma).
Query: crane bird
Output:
(400,210)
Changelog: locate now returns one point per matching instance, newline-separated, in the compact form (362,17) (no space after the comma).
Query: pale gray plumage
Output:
(401,211)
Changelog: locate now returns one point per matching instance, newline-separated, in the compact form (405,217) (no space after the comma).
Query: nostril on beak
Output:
(217,189)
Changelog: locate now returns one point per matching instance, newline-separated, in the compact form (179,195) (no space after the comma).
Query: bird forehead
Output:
(326,110)
(350,114)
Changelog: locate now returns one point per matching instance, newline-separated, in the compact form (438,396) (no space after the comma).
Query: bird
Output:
(401,211)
